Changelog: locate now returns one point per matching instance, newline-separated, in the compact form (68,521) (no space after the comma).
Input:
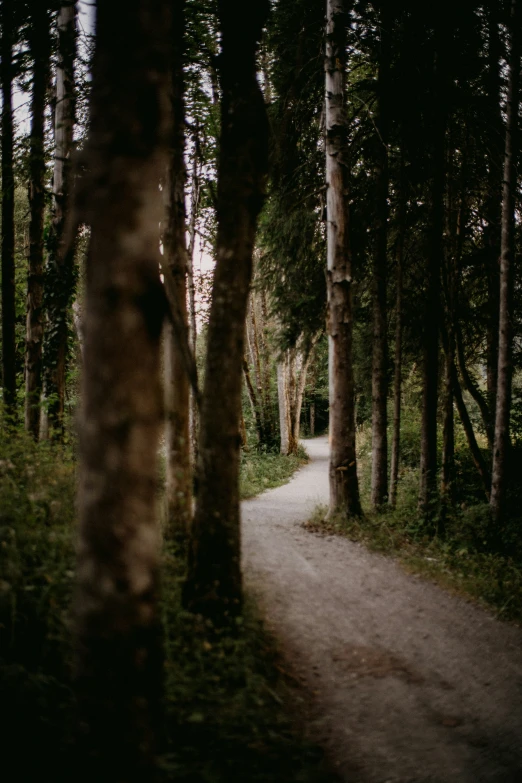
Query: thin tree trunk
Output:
(257,358)
(471,386)
(299,394)
(40,47)
(254,402)
(428,461)
(214,585)
(177,387)
(448,445)
(61,273)
(493,213)
(476,454)
(344,488)
(284,413)
(8,239)
(467,425)
(193,329)
(507,258)
(379,485)
(397,377)
(312,419)
(269,410)
(291,391)
(118,638)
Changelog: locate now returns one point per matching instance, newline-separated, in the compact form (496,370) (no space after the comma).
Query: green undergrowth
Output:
(463,559)
(262,470)
(227,700)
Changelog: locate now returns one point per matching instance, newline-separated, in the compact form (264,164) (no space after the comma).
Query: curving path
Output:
(408,683)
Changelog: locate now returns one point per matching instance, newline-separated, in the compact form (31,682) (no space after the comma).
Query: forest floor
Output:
(400,681)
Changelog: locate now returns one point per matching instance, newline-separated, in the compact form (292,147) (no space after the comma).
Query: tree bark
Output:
(118,639)
(476,454)
(439,97)
(298,401)
(344,488)
(470,384)
(493,213)
(448,444)
(254,402)
(61,274)
(40,49)
(177,386)
(284,411)
(507,257)
(8,239)
(214,585)
(195,195)
(397,376)
(379,485)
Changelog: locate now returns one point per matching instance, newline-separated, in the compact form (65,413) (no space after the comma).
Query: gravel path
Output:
(408,683)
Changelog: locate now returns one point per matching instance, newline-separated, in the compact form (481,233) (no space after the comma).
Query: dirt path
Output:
(410,684)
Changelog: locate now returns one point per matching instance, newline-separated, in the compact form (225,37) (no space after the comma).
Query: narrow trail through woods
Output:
(406,683)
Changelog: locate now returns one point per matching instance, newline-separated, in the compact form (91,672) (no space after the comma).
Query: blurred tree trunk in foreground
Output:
(118,636)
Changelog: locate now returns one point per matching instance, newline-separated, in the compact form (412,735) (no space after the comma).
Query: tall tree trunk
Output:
(505,346)
(397,376)
(254,402)
(284,409)
(267,393)
(428,461)
(214,585)
(448,435)
(40,46)
(118,639)
(344,488)
(470,383)
(476,454)
(61,275)
(379,489)
(195,195)
(493,212)
(297,403)
(257,359)
(177,387)
(8,266)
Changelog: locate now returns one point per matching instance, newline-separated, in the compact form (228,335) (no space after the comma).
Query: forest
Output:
(230,232)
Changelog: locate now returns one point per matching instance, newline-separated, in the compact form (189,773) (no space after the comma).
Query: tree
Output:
(439,97)
(213,586)
(344,488)
(399,328)
(8,267)
(380,341)
(292,372)
(177,391)
(40,48)
(118,637)
(507,258)
(61,273)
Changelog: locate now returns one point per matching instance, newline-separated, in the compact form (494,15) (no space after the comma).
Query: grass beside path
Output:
(228,715)
(266,470)
(463,561)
